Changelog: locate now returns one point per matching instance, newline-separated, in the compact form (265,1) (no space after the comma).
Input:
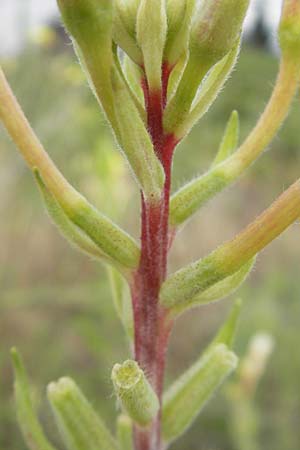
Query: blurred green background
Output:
(55,303)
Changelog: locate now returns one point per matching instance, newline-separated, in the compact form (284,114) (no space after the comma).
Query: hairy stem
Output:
(152,327)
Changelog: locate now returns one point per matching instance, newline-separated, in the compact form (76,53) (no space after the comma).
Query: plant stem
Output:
(152,327)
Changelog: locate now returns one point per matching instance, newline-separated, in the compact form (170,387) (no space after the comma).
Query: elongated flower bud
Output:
(151,36)
(187,396)
(179,15)
(289,28)
(217,28)
(88,19)
(135,392)
(81,427)
(128,10)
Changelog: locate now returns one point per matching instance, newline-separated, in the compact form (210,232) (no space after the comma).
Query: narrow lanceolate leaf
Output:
(135,393)
(125,432)
(227,332)
(217,291)
(122,300)
(230,139)
(234,254)
(191,197)
(151,36)
(79,424)
(70,231)
(185,399)
(27,416)
(135,141)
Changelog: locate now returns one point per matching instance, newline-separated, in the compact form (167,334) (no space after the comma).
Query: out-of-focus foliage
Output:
(56,305)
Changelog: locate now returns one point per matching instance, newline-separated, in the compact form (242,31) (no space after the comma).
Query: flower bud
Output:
(179,13)
(128,10)
(88,21)
(135,392)
(216,29)
(124,28)
(80,425)
(151,37)
(289,28)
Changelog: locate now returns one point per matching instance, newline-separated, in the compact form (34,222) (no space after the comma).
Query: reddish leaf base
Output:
(152,326)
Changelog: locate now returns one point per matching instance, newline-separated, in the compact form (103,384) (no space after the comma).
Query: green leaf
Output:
(230,139)
(125,432)
(185,399)
(122,300)
(81,427)
(135,392)
(27,416)
(231,256)
(218,291)
(195,194)
(111,240)
(70,231)
(210,89)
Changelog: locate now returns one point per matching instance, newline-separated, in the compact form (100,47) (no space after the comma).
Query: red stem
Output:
(152,326)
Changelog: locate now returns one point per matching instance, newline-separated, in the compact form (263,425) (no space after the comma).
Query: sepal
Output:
(27,416)
(79,424)
(135,392)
